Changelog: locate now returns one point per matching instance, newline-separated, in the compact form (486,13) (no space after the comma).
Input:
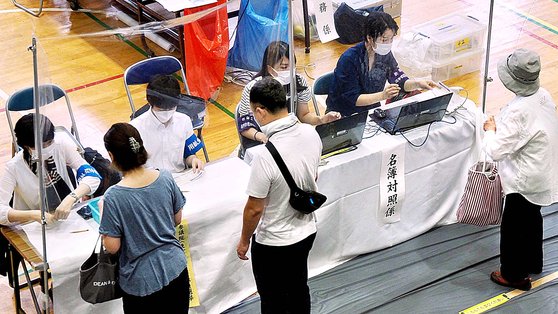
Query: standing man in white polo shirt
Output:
(168,135)
(284,236)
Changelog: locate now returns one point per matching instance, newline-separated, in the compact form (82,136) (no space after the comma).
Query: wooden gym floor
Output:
(91,69)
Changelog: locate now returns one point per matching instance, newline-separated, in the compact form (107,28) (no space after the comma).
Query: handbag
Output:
(303,201)
(483,199)
(98,277)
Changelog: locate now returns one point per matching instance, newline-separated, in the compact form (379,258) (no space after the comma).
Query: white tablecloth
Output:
(66,251)
(435,176)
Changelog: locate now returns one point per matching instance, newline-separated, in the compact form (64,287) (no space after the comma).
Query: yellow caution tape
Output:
(339,151)
(487,305)
(505,297)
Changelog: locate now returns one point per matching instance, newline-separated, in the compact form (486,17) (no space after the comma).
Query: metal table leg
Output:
(306,26)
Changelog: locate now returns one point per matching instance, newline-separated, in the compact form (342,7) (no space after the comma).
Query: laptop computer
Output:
(342,133)
(414,114)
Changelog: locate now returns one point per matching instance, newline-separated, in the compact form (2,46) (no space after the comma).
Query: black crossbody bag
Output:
(303,201)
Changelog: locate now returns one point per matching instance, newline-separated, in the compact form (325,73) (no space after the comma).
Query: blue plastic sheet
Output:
(260,22)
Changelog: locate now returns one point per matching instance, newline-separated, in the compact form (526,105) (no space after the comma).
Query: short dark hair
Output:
(119,141)
(273,53)
(25,133)
(377,23)
(163,91)
(269,93)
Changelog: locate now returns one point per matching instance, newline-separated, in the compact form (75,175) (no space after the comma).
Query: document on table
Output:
(62,236)
(175,5)
(184,177)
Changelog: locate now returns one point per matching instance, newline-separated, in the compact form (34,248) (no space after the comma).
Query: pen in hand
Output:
(79,231)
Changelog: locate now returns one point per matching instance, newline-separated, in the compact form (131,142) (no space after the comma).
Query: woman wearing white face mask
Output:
(20,177)
(359,81)
(168,135)
(275,63)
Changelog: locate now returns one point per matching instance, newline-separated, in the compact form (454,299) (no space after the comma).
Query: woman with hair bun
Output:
(138,220)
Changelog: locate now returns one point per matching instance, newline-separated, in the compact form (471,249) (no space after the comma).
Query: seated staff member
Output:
(168,135)
(20,177)
(359,79)
(276,63)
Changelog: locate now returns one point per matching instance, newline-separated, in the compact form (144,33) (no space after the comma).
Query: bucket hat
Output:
(519,72)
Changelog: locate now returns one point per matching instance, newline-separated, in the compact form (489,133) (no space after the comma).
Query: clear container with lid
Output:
(452,35)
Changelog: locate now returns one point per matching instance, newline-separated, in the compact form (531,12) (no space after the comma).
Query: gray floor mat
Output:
(442,271)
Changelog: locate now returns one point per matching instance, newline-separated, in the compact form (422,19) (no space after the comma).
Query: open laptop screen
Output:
(420,113)
(342,133)
(417,110)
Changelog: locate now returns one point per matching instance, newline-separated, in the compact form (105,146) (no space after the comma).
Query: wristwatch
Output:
(74,196)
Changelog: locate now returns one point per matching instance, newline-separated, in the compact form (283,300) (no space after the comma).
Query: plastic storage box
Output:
(457,66)
(452,35)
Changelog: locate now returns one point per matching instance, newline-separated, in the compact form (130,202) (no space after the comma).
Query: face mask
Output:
(46,151)
(284,77)
(163,116)
(382,49)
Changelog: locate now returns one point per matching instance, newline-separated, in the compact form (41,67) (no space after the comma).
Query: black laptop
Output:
(414,114)
(342,133)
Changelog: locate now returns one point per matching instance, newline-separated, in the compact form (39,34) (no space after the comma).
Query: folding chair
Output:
(22,100)
(321,87)
(143,72)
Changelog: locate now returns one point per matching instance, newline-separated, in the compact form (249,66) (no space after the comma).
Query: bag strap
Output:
(281,164)
(102,255)
(97,242)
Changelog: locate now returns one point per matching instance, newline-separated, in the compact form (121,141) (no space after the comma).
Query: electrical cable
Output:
(460,107)
(369,128)
(448,122)
(418,145)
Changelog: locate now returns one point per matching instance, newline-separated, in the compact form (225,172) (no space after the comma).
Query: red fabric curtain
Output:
(206,45)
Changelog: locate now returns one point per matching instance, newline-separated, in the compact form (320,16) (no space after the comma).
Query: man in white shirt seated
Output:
(168,136)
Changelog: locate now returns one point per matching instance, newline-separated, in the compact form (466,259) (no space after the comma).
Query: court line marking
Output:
(537,37)
(505,297)
(106,26)
(531,18)
(223,108)
(108,79)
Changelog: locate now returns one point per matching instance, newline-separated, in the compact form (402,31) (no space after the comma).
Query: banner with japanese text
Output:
(182,236)
(392,184)
(324,21)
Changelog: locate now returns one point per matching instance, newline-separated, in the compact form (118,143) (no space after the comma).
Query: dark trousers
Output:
(521,236)
(281,274)
(173,298)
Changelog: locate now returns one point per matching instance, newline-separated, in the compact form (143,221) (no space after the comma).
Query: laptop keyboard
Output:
(387,124)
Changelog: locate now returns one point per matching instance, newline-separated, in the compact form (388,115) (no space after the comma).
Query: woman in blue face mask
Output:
(276,64)
(359,82)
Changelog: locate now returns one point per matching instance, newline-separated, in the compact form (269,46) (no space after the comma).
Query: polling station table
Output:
(350,222)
